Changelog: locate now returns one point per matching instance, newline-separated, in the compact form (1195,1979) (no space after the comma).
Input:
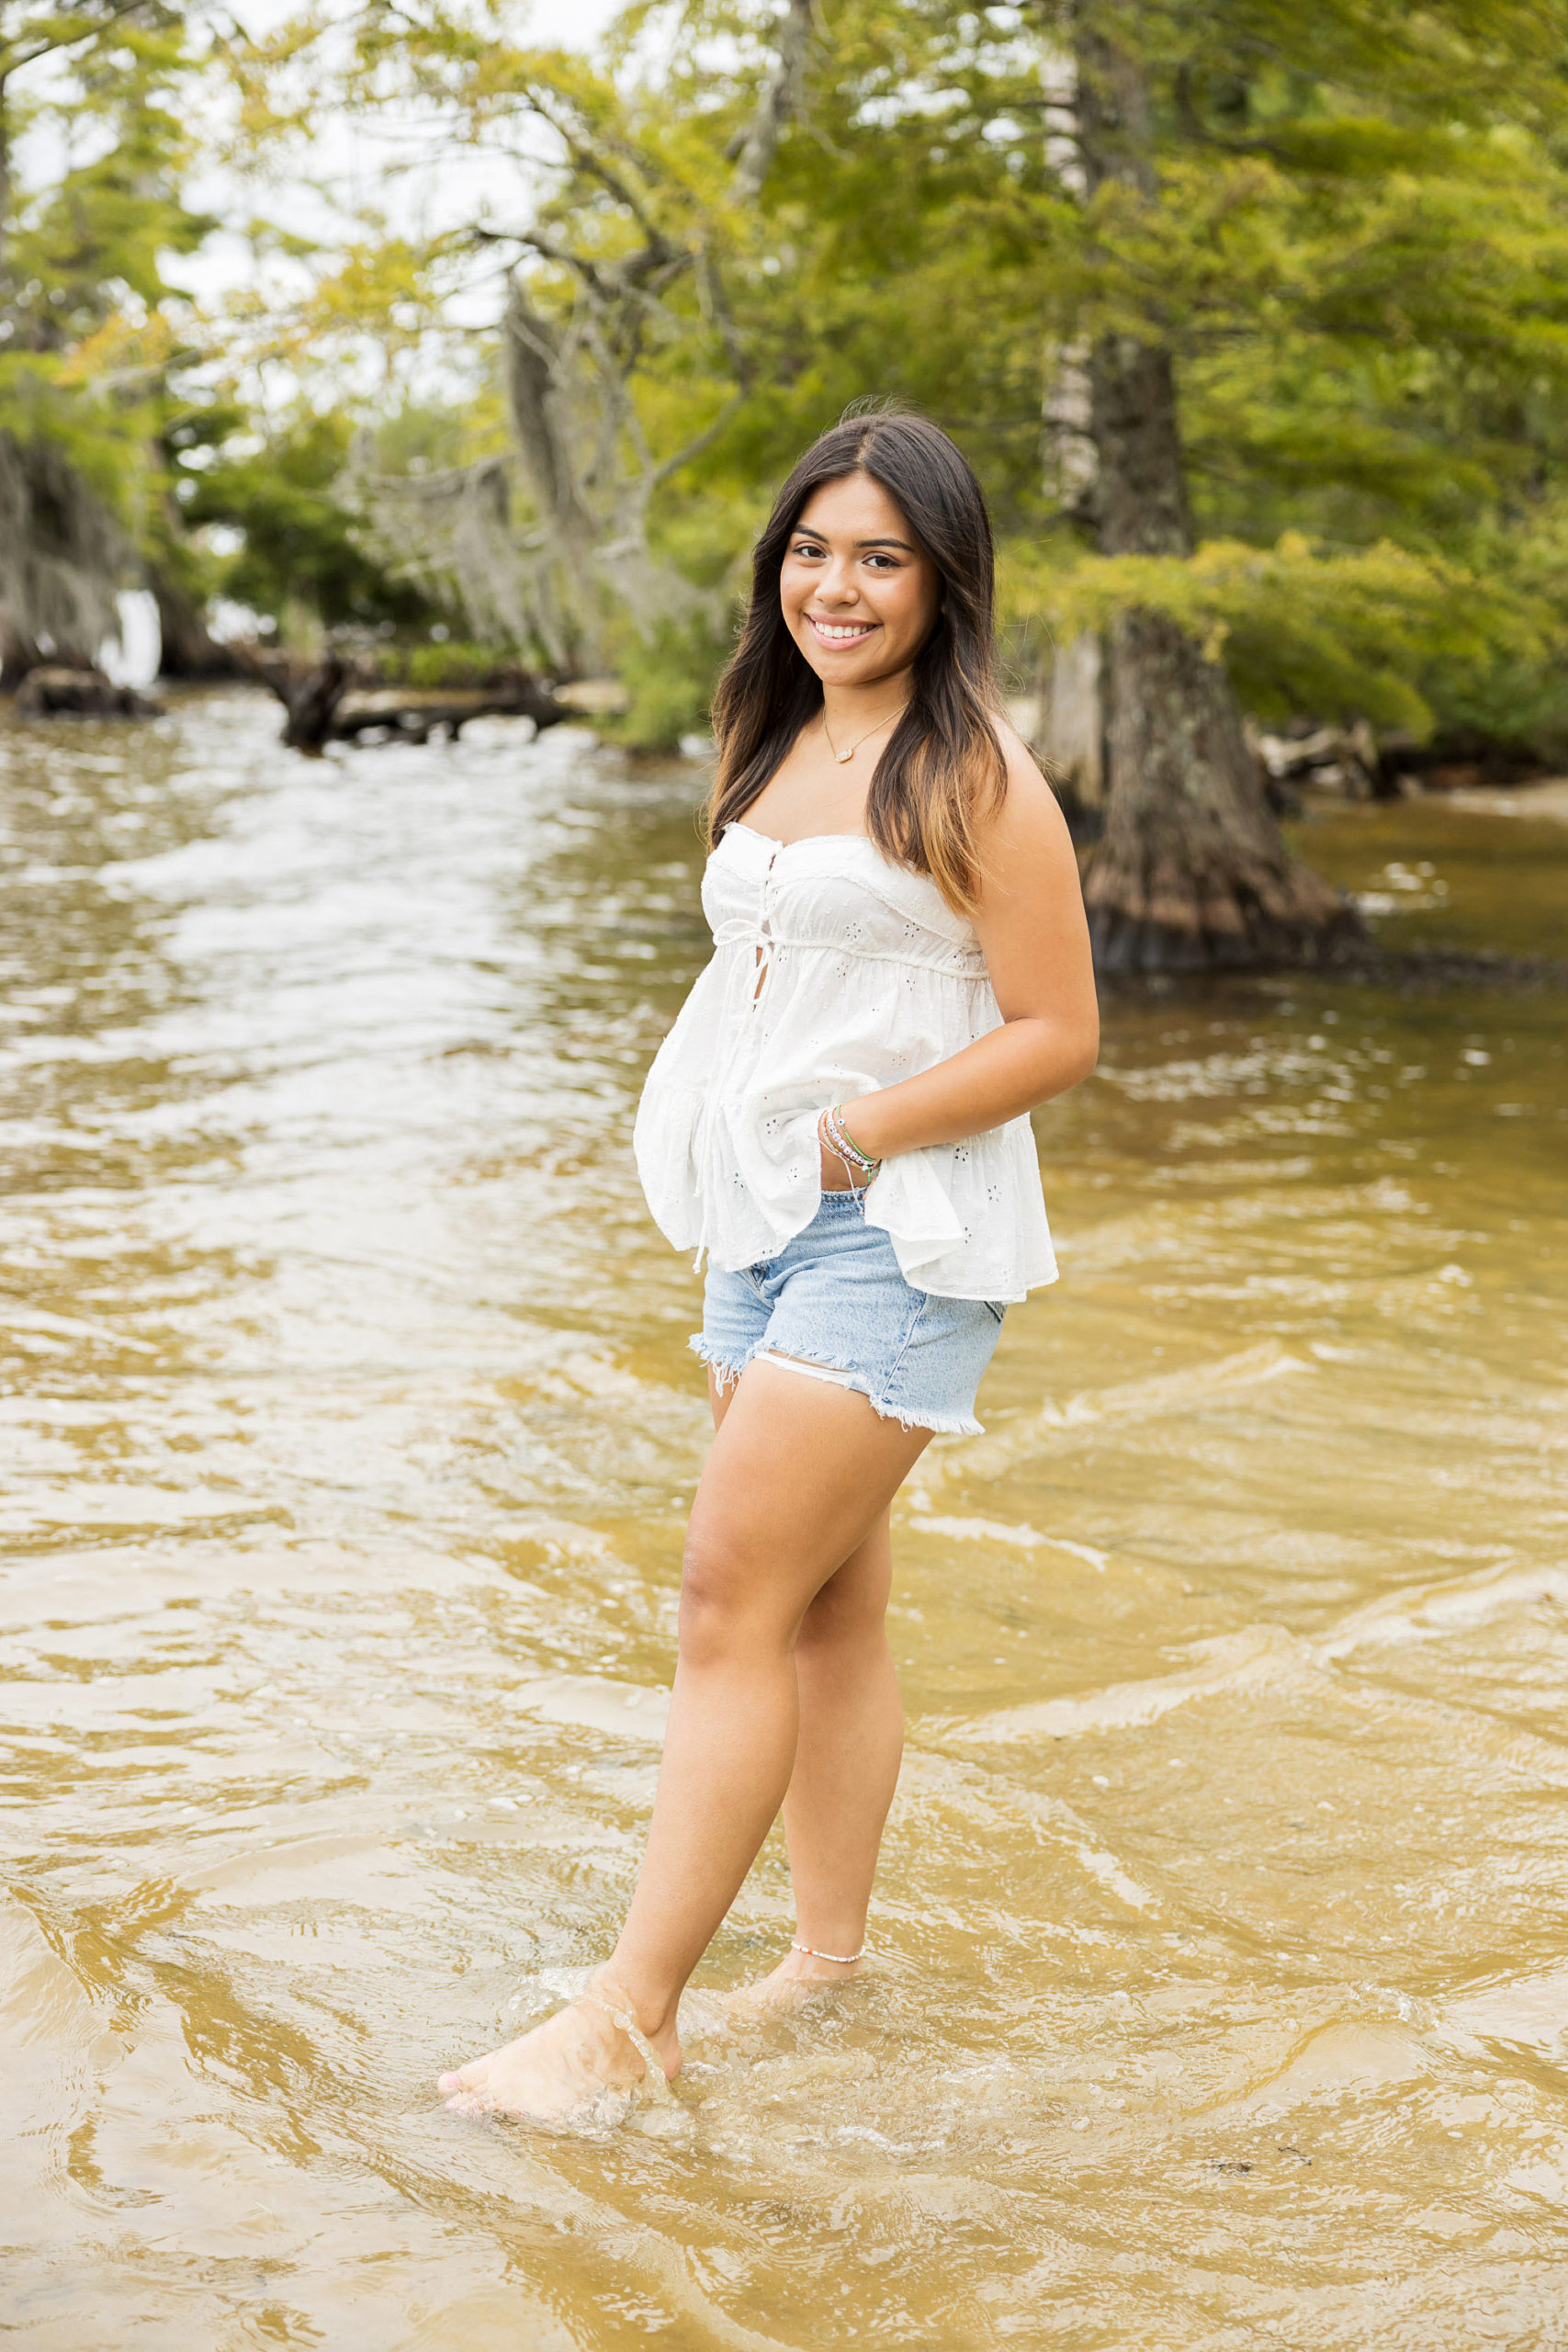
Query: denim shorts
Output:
(836,1296)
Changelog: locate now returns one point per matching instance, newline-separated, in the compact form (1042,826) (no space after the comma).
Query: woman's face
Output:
(859,594)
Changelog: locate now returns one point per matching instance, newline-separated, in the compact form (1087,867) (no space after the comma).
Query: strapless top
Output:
(835,972)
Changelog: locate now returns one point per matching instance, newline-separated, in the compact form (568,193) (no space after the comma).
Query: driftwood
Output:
(311,697)
(1330,758)
(56,693)
(339,700)
(409,718)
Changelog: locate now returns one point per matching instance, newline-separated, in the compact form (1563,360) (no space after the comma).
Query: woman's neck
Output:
(847,708)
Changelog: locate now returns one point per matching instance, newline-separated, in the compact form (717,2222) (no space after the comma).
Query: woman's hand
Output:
(835,1176)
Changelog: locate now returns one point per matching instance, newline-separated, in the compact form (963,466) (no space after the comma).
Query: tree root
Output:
(53,692)
(1253,917)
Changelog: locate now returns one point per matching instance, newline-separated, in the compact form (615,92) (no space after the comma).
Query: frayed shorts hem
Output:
(727,1371)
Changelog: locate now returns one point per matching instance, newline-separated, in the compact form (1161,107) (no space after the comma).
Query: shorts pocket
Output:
(996,1307)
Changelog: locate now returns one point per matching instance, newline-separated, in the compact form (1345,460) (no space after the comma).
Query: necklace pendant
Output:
(845,757)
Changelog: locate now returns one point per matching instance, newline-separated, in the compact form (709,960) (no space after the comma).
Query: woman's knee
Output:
(722,1597)
(844,1616)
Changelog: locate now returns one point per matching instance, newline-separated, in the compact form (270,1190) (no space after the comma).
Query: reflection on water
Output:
(1224,1978)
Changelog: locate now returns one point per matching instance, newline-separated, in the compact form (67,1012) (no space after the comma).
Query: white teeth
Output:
(840,636)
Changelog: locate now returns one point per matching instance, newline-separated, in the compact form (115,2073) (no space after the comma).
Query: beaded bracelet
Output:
(841,1141)
(861,1158)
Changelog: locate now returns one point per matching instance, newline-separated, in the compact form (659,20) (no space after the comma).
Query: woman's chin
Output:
(849,668)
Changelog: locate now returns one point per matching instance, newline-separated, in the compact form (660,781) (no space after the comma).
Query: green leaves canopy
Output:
(1354,240)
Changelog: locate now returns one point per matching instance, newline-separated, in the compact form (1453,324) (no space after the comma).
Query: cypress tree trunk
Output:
(1193,873)
(62,558)
(187,647)
(18,653)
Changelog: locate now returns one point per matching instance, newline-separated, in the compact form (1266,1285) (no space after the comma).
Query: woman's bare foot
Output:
(563,2066)
(797,1979)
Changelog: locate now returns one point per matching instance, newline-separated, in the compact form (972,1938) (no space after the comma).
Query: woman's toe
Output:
(466,2081)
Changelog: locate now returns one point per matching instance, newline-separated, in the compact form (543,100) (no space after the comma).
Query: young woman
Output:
(839,1118)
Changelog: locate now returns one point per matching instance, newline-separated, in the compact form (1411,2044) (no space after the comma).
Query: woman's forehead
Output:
(855,507)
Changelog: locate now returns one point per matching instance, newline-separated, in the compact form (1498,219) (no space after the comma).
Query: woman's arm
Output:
(1031,923)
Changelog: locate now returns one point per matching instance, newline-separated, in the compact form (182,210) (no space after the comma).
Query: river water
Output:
(1222,1976)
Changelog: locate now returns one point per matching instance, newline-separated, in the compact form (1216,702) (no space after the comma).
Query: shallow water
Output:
(1223,1975)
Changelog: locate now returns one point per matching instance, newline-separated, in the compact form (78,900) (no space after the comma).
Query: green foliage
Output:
(1353,240)
(299,543)
(104,363)
(1355,245)
(1517,696)
(450,662)
(1342,633)
(669,679)
(88,333)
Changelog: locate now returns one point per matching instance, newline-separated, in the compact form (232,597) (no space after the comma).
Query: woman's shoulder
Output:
(1024,824)
(1028,795)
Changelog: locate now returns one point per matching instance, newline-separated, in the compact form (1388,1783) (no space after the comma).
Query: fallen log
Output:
(405,715)
(338,700)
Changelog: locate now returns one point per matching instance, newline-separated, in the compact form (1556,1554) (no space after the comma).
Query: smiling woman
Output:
(877,624)
(839,1120)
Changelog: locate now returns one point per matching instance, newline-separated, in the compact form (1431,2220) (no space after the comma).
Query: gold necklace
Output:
(844,757)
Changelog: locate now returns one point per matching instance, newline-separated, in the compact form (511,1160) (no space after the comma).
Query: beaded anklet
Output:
(843,1958)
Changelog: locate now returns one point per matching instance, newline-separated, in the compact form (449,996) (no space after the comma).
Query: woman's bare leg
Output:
(800,1474)
(850,1747)
(852,1743)
(846,1770)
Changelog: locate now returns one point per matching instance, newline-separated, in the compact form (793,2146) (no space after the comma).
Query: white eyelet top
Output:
(834,972)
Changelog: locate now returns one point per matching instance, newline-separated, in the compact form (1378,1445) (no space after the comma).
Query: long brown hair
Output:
(943,759)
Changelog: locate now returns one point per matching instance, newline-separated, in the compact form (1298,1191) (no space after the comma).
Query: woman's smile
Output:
(841,632)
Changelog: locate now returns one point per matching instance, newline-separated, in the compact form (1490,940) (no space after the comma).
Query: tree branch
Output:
(695,447)
(711,293)
(780,95)
(66,40)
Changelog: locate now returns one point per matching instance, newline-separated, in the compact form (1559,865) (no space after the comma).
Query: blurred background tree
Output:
(1253,318)
(129,457)
(84,341)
